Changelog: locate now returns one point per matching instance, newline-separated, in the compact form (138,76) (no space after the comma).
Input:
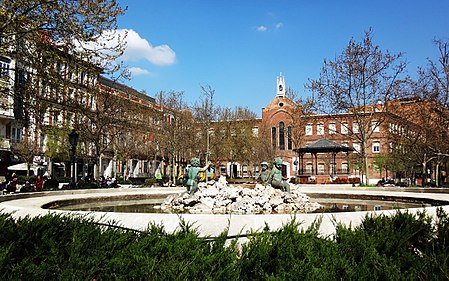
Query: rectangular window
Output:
(255,131)
(55,118)
(356,147)
(320,168)
(344,128)
(223,170)
(16,134)
(332,128)
(309,168)
(309,130)
(355,128)
(256,169)
(376,147)
(83,77)
(320,129)
(344,167)
(4,68)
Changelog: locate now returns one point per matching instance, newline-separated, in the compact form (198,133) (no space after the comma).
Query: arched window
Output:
(273,137)
(281,136)
(289,138)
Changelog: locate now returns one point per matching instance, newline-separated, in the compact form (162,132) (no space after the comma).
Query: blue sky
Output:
(239,47)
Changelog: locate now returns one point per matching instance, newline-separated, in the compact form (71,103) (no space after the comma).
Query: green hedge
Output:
(401,247)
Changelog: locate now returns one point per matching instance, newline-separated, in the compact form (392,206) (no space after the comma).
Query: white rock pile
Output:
(218,198)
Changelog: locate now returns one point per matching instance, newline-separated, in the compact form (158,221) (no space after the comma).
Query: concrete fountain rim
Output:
(21,205)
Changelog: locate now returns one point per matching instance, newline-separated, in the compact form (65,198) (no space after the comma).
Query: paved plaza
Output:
(20,205)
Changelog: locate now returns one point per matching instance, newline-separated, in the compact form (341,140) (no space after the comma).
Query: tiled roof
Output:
(324,145)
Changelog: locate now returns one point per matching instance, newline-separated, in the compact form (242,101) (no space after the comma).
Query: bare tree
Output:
(98,123)
(54,47)
(26,150)
(205,112)
(233,138)
(360,81)
(177,132)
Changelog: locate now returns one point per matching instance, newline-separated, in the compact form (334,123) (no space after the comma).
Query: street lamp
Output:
(73,140)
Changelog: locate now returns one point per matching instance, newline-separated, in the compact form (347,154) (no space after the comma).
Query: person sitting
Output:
(276,179)
(264,175)
(111,182)
(12,185)
(27,187)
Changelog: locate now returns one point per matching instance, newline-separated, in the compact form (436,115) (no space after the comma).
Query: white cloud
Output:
(279,25)
(261,28)
(136,71)
(139,48)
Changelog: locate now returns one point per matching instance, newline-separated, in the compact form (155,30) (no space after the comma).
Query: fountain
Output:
(223,199)
(210,224)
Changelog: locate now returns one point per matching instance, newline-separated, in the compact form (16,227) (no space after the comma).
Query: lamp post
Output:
(73,140)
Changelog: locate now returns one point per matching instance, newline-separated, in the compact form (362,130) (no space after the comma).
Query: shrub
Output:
(121,180)
(151,181)
(24,179)
(401,247)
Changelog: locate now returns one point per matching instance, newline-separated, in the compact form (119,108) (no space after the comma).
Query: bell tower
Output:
(280,86)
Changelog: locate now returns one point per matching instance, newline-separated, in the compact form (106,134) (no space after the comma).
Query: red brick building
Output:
(291,131)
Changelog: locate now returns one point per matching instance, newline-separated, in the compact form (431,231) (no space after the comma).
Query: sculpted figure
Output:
(192,175)
(264,175)
(276,180)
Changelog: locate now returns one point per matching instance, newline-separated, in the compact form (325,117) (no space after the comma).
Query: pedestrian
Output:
(39,183)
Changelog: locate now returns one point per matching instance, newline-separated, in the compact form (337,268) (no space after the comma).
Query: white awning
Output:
(23,167)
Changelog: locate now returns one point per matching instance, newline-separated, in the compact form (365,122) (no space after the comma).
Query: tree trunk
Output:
(423,176)
(173,170)
(50,167)
(365,162)
(126,169)
(97,169)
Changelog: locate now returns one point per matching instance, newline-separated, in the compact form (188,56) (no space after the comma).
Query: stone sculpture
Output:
(213,198)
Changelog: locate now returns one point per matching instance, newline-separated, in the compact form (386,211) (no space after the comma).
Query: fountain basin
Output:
(214,224)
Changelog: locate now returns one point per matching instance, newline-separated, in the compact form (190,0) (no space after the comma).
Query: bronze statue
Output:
(264,175)
(276,179)
(192,175)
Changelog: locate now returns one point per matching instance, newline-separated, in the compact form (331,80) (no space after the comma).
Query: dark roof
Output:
(126,89)
(324,145)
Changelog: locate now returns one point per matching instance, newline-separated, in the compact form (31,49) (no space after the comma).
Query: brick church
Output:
(318,148)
